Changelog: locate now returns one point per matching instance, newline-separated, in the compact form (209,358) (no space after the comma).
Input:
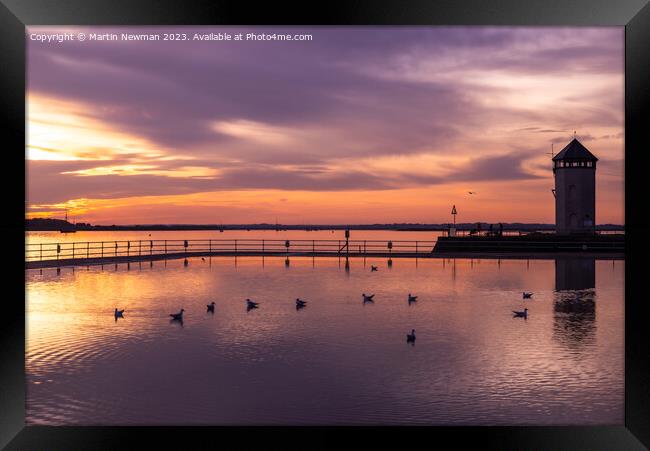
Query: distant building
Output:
(575,189)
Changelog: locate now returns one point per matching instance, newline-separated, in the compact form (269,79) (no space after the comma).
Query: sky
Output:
(357,125)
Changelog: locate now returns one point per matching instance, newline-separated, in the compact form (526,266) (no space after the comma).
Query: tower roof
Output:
(575,151)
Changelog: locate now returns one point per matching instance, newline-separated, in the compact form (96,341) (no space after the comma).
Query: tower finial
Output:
(574,134)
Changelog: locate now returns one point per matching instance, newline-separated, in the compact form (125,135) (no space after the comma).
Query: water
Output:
(85,236)
(337,361)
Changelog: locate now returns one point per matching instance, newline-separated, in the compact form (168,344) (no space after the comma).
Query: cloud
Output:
(354,109)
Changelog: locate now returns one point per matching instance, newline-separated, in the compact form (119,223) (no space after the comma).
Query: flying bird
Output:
(526,295)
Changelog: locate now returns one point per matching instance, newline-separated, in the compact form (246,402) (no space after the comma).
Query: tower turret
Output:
(575,189)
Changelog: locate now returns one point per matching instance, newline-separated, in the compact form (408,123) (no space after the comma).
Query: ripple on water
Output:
(334,362)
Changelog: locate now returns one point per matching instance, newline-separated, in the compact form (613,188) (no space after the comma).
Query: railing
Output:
(139,248)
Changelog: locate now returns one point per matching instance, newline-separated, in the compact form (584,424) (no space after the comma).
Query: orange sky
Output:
(360,125)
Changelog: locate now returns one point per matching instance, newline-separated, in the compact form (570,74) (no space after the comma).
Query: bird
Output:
(471,192)
(523,314)
(368,298)
(373,268)
(412,298)
(211,307)
(177,316)
(526,295)
(410,338)
(300,303)
(202,258)
(250,304)
(119,313)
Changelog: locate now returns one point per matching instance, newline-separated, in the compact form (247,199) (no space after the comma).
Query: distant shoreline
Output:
(45,225)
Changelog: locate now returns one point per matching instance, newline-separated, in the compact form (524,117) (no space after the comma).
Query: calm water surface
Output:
(85,236)
(337,361)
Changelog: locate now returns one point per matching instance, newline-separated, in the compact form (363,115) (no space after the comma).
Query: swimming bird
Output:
(526,295)
(471,192)
(119,313)
(523,314)
(368,298)
(177,316)
(300,303)
(412,298)
(202,258)
(410,338)
(250,304)
(373,268)
(211,307)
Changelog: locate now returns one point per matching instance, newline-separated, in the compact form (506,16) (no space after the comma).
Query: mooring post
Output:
(347,242)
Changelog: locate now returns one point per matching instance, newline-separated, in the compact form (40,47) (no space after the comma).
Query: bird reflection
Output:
(176,321)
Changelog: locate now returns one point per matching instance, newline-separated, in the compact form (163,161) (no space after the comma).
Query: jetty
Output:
(52,255)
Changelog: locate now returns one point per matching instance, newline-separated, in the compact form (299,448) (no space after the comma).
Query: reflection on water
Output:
(575,302)
(339,360)
(575,273)
(575,318)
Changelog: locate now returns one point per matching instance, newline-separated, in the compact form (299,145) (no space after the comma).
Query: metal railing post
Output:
(88,249)
(235,246)
(41,252)
(73,251)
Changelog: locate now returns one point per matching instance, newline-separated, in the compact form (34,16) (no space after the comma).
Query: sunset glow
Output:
(360,125)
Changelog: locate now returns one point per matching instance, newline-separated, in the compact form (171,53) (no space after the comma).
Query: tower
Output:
(575,189)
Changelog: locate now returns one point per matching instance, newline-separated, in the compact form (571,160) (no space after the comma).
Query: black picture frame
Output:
(633,14)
